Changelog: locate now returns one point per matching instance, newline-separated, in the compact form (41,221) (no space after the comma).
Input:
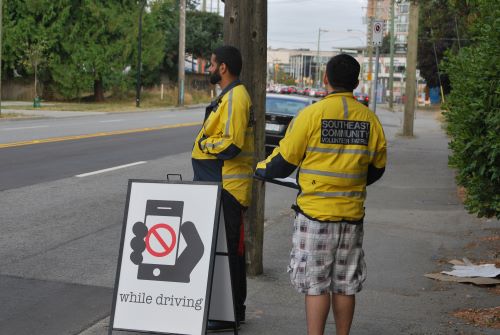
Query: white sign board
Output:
(167,257)
(378,32)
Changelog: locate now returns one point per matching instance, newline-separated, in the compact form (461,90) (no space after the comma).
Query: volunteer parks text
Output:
(345,132)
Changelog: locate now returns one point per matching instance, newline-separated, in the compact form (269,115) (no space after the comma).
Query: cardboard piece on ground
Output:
(473,280)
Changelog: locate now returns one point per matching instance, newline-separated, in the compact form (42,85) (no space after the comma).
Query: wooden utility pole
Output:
(245,27)
(1,13)
(182,51)
(411,70)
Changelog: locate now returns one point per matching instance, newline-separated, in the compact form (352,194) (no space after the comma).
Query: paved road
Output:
(25,130)
(33,164)
(59,232)
(60,236)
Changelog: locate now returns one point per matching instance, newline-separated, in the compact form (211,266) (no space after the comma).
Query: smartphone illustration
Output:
(163,219)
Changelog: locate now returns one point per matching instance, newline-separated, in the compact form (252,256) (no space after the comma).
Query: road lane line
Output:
(106,121)
(22,128)
(109,169)
(109,133)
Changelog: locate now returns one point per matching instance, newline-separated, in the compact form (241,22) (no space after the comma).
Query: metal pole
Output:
(182,51)
(411,70)
(391,62)
(317,59)
(437,68)
(139,60)
(370,54)
(204,6)
(373,98)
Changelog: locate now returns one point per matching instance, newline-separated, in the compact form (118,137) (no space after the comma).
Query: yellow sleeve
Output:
(291,150)
(235,114)
(380,157)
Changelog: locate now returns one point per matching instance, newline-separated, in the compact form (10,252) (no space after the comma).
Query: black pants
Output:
(233,218)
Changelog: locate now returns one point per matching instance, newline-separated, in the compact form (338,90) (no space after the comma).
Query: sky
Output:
(295,23)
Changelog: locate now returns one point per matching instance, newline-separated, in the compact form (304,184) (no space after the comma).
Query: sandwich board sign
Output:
(172,246)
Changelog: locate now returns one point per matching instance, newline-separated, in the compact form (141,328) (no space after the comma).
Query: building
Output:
(381,10)
(306,67)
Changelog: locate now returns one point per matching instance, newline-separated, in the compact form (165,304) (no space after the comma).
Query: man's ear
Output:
(325,80)
(223,69)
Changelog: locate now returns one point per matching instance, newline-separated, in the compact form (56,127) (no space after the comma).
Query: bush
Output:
(473,113)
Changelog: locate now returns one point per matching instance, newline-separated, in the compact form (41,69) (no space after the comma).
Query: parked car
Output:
(318,92)
(321,93)
(284,90)
(362,97)
(292,90)
(306,91)
(280,110)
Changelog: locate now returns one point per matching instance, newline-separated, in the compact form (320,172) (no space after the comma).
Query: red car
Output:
(362,97)
(292,90)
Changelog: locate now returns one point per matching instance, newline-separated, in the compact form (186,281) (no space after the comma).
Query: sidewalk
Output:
(415,223)
(40,113)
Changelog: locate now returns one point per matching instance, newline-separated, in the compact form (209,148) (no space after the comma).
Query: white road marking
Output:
(22,128)
(106,121)
(109,169)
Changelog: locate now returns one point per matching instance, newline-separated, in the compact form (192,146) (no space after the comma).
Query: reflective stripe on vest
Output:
(346,111)
(214,145)
(353,194)
(334,174)
(342,151)
(229,113)
(237,176)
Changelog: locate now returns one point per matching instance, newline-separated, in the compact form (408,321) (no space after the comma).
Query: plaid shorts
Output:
(327,257)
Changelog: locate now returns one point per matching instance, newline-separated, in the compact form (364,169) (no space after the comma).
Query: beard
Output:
(215,77)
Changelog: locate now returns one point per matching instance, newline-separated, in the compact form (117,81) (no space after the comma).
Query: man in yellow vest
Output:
(338,147)
(223,152)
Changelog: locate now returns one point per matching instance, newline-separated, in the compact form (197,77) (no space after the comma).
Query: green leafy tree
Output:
(97,48)
(442,28)
(34,58)
(203,32)
(31,34)
(386,44)
(474,110)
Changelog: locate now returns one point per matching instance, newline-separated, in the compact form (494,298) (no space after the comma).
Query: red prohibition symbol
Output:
(156,232)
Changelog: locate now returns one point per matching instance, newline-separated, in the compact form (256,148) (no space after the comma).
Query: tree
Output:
(32,33)
(386,44)
(98,47)
(203,32)
(473,110)
(442,28)
(34,57)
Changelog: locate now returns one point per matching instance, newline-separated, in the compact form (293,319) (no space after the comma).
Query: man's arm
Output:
(376,168)
(235,116)
(291,150)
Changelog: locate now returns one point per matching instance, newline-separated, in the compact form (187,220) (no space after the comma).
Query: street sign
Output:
(173,263)
(378,32)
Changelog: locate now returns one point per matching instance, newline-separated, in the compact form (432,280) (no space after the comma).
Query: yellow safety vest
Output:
(223,150)
(333,142)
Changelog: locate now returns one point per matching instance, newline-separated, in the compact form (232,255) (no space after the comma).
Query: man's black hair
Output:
(342,71)
(230,56)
